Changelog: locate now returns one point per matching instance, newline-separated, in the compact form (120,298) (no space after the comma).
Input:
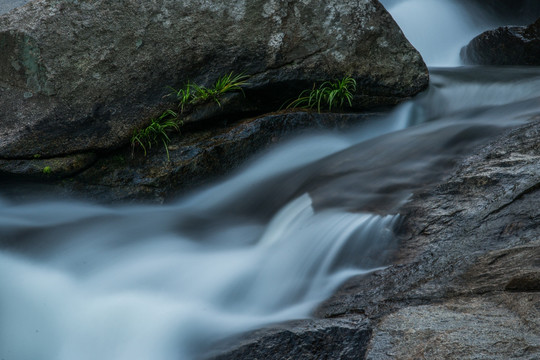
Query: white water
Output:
(437,28)
(83,281)
(440,28)
(126,284)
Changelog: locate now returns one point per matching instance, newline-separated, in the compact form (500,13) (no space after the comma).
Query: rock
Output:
(457,329)
(81,76)
(509,45)
(301,340)
(465,281)
(195,158)
(468,264)
(46,169)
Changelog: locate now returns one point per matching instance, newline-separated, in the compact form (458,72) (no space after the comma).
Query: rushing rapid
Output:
(93,282)
(86,281)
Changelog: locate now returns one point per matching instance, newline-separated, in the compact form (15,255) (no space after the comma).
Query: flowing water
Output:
(85,281)
(439,28)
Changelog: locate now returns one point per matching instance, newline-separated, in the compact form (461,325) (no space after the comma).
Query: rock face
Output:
(81,76)
(195,159)
(47,168)
(509,45)
(467,277)
(302,340)
(472,290)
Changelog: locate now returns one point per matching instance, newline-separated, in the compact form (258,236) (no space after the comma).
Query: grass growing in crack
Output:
(192,94)
(329,95)
(184,96)
(228,83)
(156,132)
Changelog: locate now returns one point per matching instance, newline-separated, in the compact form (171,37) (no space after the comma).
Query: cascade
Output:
(267,244)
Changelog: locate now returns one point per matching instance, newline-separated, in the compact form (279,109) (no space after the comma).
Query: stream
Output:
(267,244)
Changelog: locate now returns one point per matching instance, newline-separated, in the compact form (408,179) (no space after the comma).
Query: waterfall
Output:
(439,29)
(266,244)
(130,284)
(86,281)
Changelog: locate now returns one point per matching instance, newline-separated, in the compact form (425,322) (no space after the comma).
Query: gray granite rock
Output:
(78,76)
(343,339)
(196,157)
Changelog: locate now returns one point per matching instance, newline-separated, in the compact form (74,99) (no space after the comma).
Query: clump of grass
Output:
(47,170)
(184,96)
(192,94)
(328,95)
(156,132)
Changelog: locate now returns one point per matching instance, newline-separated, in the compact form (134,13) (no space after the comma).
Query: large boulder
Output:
(81,76)
(508,45)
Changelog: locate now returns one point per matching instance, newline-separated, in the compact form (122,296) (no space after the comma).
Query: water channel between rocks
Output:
(85,281)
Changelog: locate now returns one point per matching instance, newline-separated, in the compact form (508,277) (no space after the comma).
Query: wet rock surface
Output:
(508,45)
(344,339)
(46,169)
(80,77)
(196,157)
(465,280)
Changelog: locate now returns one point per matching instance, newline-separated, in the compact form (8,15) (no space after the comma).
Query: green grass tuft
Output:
(156,132)
(328,95)
(192,94)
